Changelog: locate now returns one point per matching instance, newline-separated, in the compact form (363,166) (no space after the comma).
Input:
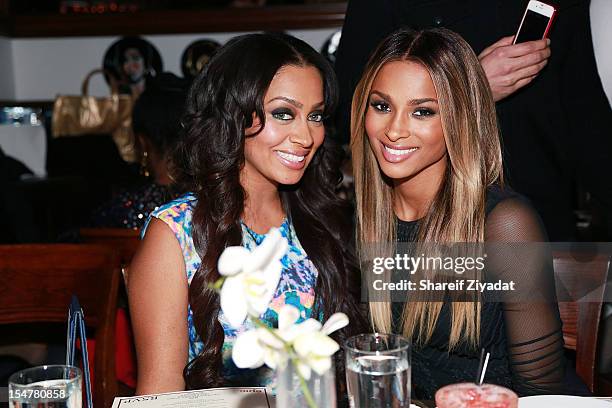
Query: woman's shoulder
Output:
(510,216)
(497,193)
(178,207)
(176,214)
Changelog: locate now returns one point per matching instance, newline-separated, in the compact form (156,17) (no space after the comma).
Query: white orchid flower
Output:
(277,341)
(266,345)
(251,277)
(309,340)
(315,348)
(247,351)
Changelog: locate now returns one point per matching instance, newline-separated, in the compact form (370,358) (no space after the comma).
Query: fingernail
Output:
(548,41)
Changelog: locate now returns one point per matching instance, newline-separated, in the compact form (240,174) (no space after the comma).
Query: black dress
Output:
(524,339)
(131,207)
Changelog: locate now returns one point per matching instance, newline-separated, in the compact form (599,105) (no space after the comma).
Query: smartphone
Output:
(536,22)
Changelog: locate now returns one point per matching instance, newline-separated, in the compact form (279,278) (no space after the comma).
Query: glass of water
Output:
(51,386)
(378,371)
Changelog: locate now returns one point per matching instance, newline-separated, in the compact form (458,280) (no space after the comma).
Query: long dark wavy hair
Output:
(208,161)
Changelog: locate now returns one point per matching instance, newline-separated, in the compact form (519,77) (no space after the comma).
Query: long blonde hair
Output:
(457,213)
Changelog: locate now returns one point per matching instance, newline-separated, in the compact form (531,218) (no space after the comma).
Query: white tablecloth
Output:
(563,401)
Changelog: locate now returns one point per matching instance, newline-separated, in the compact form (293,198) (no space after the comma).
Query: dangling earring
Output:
(144,164)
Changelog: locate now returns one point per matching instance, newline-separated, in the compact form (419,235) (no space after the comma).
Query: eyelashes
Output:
(282,114)
(380,106)
(423,112)
(316,117)
(285,115)
(419,112)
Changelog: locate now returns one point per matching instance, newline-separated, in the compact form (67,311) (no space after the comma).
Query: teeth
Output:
(400,152)
(291,157)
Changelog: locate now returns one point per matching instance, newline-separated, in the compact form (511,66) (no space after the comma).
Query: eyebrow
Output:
(295,103)
(410,102)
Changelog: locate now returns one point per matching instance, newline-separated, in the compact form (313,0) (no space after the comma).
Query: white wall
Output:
(44,67)
(7,80)
(601,28)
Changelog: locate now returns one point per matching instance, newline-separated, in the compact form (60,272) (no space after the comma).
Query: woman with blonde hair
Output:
(428,169)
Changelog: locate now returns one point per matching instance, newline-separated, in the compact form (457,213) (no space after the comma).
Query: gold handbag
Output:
(77,115)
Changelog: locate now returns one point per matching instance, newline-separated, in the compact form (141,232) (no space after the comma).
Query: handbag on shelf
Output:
(76,115)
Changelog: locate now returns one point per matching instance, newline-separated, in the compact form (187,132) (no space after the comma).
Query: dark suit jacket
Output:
(554,130)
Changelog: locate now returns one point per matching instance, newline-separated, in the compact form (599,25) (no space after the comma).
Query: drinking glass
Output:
(378,371)
(290,389)
(50,386)
(470,395)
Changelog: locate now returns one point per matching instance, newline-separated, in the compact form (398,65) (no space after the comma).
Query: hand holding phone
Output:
(536,22)
(509,66)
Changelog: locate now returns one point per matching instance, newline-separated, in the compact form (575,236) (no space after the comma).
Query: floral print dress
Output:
(296,285)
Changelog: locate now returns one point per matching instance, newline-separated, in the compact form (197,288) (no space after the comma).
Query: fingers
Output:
(504,91)
(527,60)
(508,84)
(522,77)
(510,67)
(502,42)
(529,72)
(505,49)
(518,50)
(519,84)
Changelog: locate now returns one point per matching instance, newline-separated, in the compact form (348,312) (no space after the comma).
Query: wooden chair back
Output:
(37,282)
(125,241)
(122,240)
(584,279)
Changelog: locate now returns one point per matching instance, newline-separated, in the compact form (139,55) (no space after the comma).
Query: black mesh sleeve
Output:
(534,336)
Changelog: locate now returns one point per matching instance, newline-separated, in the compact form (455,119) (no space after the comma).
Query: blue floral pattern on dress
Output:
(296,286)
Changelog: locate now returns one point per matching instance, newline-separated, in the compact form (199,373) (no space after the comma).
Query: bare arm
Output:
(158,297)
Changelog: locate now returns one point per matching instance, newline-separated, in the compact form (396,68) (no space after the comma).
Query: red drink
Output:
(470,395)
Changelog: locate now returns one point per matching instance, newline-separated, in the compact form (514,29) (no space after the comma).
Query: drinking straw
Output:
(484,369)
(480,365)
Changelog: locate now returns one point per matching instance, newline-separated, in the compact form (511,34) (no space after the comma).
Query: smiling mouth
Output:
(294,158)
(399,152)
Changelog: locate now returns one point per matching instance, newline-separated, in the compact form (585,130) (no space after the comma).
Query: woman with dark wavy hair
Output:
(254,156)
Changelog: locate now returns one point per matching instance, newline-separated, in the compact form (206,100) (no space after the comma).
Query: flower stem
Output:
(307,395)
(257,322)
(304,386)
(216,286)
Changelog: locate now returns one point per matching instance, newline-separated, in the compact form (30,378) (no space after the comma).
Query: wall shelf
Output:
(272,18)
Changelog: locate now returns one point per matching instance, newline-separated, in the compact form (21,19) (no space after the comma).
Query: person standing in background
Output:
(601,30)
(17,221)
(553,114)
